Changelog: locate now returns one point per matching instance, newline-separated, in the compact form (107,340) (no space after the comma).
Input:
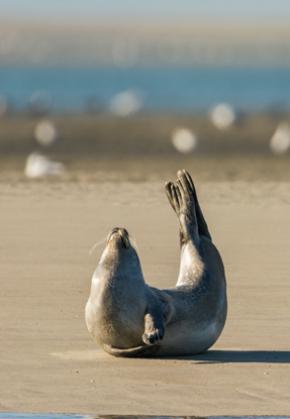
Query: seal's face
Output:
(119,237)
(120,258)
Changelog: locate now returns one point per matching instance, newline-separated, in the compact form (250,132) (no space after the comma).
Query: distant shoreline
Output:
(155,42)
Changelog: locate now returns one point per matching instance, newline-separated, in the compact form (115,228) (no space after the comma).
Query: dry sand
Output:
(47,359)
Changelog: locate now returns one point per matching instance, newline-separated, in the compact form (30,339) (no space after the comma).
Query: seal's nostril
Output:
(123,232)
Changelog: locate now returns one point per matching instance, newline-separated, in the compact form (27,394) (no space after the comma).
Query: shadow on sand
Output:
(240,356)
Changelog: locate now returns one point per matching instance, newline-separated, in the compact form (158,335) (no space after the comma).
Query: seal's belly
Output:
(183,339)
(122,331)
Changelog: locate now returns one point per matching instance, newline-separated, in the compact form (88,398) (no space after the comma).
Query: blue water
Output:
(176,89)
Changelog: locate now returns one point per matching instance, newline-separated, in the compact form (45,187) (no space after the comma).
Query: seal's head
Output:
(119,237)
(120,257)
(115,309)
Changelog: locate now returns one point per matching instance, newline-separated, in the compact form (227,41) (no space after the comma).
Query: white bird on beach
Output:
(280,141)
(223,116)
(45,133)
(38,166)
(126,103)
(184,140)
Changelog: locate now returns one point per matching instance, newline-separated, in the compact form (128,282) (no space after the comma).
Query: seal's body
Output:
(127,317)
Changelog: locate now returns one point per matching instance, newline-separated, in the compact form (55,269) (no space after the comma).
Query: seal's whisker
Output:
(97,244)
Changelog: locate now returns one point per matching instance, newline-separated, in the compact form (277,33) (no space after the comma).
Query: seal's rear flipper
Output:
(202,225)
(183,199)
(176,201)
(138,351)
(171,192)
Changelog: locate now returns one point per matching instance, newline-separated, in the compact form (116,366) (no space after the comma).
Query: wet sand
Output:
(47,359)
(102,135)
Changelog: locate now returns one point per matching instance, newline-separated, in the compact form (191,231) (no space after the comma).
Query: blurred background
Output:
(95,85)
(101,101)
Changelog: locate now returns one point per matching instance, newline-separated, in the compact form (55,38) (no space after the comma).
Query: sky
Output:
(93,9)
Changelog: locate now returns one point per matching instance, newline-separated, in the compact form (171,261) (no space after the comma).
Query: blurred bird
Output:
(38,165)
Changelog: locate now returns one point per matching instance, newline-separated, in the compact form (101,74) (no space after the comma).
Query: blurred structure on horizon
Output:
(128,43)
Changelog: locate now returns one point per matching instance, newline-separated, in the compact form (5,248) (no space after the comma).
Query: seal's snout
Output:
(121,235)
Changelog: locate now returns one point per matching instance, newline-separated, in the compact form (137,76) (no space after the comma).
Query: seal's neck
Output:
(191,265)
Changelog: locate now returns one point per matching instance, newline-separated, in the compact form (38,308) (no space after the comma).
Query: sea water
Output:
(162,89)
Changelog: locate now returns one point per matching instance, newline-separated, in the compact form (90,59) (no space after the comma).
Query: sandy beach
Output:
(47,359)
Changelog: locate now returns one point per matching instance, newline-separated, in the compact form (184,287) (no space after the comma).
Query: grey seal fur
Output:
(127,317)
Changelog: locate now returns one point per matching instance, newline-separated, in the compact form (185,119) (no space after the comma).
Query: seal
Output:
(127,317)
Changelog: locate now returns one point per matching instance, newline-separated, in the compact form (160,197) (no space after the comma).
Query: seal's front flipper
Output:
(154,328)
